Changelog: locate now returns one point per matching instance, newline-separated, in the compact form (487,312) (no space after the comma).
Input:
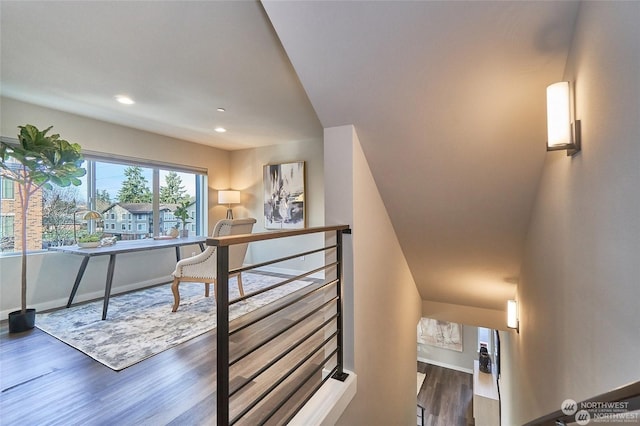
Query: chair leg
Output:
(206,289)
(240,288)
(176,294)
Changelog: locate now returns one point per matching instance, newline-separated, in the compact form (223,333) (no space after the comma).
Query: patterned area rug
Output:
(140,324)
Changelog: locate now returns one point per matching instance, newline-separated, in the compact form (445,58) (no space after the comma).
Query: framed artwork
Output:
(284,196)
(442,334)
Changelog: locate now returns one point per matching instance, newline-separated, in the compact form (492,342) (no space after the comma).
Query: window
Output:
(7,189)
(7,236)
(109,183)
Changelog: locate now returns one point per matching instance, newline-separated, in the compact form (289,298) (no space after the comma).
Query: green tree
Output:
(173,192)
(103,200)
(135,188)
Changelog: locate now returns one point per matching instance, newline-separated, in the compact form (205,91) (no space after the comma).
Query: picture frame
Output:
(441,334)
(284,195)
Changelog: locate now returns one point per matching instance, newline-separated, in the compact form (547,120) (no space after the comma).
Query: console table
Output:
(121,247)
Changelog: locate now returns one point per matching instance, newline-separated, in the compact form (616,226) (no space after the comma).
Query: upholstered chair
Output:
(202,267)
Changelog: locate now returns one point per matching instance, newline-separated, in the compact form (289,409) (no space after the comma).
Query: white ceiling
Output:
(179,60)
(447,98)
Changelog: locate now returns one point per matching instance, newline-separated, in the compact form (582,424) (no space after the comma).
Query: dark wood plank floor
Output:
(46,382)
(446,395)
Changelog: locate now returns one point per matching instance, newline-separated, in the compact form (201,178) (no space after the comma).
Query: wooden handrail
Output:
(263,236)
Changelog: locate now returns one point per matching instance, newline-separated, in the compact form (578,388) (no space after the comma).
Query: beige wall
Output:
(99,136)
(386,303)
(246,176)
(579,288)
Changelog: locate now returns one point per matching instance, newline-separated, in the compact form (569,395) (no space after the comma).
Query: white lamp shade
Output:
(229,197)
(512,314)
(558,114)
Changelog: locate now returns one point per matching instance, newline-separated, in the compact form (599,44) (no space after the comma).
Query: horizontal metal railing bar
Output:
(284,330)
(282,355)
(263,236)
(311,394)
(281,259)
(286,305)
(299,386)
(279,284)
(277,383)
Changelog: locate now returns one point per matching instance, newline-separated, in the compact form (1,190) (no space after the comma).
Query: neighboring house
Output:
(133,221)
(11,220)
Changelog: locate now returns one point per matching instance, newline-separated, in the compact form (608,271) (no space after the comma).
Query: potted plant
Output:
(89,240)
(182,213)
(36,162)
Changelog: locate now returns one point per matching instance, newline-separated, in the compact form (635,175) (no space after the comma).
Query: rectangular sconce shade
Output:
(512,314)
(560,132)
(229,197)
(558,114)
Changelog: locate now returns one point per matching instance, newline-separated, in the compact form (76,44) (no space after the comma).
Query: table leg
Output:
(201,246)
(177,253)
(83,266)
(107,287)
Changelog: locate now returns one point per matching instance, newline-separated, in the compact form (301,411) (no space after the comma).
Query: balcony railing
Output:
(272,361)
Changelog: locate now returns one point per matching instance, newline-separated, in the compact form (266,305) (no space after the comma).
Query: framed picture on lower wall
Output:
(442,334)
(284,196)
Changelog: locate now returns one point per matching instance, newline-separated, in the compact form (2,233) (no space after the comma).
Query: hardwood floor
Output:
(446,395)
(46,382)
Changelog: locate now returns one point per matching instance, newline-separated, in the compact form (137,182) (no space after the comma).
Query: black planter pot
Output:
(19,322)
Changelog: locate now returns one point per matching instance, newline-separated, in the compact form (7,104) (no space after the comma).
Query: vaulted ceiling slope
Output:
(179,60)
(448,100)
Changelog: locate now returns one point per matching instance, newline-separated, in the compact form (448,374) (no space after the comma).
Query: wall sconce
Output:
(228,198)
(512,315)
(561,132)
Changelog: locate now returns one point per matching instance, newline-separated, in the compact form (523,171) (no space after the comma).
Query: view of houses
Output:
(56,215)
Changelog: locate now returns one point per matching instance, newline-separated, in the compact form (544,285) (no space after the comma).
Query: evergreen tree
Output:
(173,192)
(103,200)
(135,188)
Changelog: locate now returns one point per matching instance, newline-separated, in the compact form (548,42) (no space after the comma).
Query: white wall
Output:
(386,303)
(579,288)
(51,275)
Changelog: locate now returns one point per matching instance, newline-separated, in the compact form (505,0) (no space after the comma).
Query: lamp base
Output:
(229,213)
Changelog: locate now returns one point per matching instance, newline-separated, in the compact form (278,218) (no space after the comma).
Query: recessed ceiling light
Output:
(220,129)
(221,110)
(125,100)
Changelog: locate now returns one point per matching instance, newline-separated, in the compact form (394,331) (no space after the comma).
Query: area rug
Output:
(421,377)
(140,324)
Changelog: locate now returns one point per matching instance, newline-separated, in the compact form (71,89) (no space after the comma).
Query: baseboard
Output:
(62,302)
(290,272)
(445,365)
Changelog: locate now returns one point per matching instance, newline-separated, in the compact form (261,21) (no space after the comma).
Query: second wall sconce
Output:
(228,198)
(512,315)
(562,133)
